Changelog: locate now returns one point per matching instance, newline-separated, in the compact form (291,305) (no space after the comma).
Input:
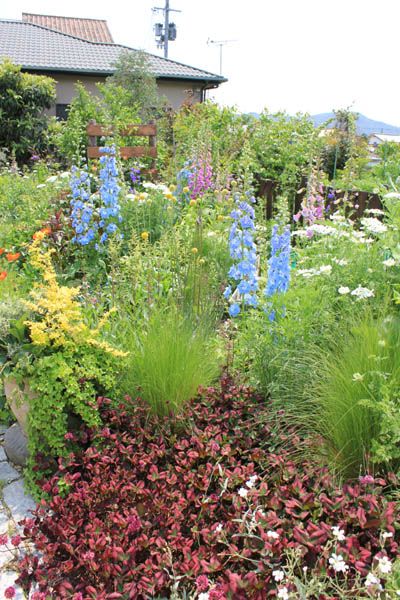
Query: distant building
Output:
(72,50)
(377,139)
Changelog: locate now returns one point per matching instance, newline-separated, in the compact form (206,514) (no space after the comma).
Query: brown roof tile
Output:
(93,30)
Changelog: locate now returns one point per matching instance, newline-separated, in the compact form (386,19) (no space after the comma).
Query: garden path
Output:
(15,505)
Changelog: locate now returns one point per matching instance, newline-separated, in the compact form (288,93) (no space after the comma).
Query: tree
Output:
(132,72)
(23,99)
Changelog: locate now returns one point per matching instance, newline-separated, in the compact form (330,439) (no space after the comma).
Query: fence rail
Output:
(148,130)
(360,201)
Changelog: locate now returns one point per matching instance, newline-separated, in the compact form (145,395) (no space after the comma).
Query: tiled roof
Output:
(94,30)
(38,48)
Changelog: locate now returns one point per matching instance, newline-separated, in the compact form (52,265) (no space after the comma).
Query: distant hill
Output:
(364,125)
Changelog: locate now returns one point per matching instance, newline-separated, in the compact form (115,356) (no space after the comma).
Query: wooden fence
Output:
(360,201)
(148,130)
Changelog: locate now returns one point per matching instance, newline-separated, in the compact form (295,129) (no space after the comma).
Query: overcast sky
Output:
(295,55)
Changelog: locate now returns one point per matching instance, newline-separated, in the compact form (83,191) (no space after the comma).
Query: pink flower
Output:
(202,583)
(9,592)
(16,540)
(3,540)
(365,479)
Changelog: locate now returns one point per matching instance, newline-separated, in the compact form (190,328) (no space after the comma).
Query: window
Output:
(62,111)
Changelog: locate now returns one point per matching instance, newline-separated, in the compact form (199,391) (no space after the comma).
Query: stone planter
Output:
(18,399)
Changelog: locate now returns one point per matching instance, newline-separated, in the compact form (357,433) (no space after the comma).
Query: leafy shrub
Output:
(169,360)
(218,508)
(23,98)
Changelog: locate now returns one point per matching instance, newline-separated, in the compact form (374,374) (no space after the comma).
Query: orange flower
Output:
(2,251)
(3,275)
(46,230)
(11,257)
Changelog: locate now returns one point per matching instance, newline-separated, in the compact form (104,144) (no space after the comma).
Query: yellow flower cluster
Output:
(59,315)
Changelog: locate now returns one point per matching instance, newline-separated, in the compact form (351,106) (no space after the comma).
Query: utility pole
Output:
(168,32)
(166,27)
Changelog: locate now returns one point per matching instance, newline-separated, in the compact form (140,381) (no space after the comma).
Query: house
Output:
(377,139)
(72,50)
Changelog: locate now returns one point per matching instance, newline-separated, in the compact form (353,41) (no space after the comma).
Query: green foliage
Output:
(112,107)
(339,142)
(356,398)
(224,130)
(284,147)
(26,203)
(132,73)
(169,359)
(23,98)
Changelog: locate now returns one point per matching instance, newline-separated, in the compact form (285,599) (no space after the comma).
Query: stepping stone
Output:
(8,473)
(18,501)
(7,579)
(16,445)
(3,455)
(4,520)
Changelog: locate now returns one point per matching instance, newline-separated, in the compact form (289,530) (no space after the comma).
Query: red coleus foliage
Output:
(145,511)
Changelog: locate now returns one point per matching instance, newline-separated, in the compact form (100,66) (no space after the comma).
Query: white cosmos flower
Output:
(251,481)
(373,225)
(389,262)
(272,534)
(338,533)
(344,290)
(371,579)
(374,211)
(278,575)
(283,594)
(384,565)
(243,492)
(362,292)
(219,528)
(337,563)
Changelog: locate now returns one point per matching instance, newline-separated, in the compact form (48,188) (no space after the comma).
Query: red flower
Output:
(3,275)
(16,540)
(2,251)
(3,540)
(9,592)
(11,257)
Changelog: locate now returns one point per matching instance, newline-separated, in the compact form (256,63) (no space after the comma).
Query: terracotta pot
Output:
(18,399)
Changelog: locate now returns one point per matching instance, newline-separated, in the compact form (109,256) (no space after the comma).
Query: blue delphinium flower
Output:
(82,207)
(243,250)
(109,192)
(93,222)
(278,265)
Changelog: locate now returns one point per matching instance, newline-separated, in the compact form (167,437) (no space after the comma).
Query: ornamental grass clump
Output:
(66,362)
(169,360)
(355,403)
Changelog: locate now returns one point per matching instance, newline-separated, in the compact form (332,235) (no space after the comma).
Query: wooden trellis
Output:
(148,130)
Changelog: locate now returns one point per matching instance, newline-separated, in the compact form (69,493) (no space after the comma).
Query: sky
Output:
(295,55)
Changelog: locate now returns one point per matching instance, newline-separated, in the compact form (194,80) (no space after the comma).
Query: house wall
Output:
(176,92)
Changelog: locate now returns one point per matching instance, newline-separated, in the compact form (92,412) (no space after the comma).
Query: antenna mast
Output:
(221,44)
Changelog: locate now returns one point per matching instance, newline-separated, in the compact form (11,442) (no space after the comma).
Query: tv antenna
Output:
(221,44)
(165,32)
